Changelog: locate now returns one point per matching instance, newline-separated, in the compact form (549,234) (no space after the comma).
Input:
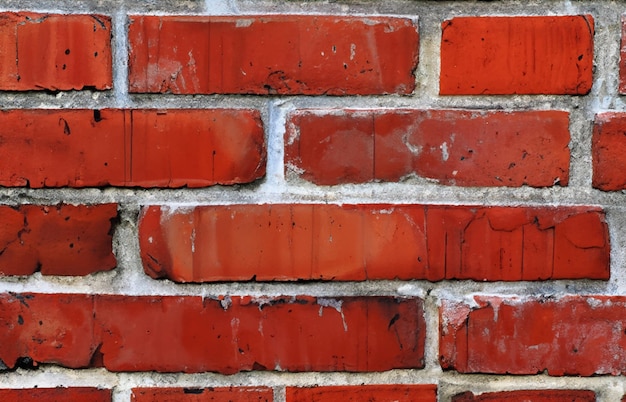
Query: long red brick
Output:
(219,394)
(454,147)
(56,240)
(609,151)
(369,242)
(517,55)
(280,54)
(74,394)
(551,395)
(370,393)
(130,148)
(54,52)
(567,335)
(192,334)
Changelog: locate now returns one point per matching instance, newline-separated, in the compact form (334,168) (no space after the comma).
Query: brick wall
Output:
(308,201)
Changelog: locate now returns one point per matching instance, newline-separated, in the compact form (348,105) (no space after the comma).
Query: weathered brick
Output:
(130,148)
(192,334)
(219,394)
(609,151)
(370,393)
(74,394)
(517,55)
(369,242)
(566,335)
(550,395)
(280,54)
(54,52)
(454,147)
(56,240)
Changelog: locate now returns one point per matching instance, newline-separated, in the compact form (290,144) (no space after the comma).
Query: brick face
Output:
(220,394)
(57,240)
(191,334)
(530,395)
(453,147)
(608,150)
(54,52)
(568,335)
(266,55)
(371,393)
(368,242)
(55,394)
(130,148)
(517,55)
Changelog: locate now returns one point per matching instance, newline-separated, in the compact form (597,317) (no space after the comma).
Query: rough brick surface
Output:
(55,395)
(530,395)
(568,335)
(370,393)
(359,242)
(609,151)
(143,148)
(454,147)
(517,55)
(283,54)
(221,394)
(54,52)
(56,240)
(192,334)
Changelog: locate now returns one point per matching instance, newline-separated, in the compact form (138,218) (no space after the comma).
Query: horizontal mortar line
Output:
(449,289)
(53,376)
(388,193)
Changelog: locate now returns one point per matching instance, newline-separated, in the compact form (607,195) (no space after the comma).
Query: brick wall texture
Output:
(312,201)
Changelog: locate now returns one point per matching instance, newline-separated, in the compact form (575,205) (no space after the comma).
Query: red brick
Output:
(281,54)
(55,395)
(370,393)
(192,334)
(529,396)
(44,328)
(130,148)
(223,394)
(517,55)
(56,240)
(608,152)
(454,147)
(568,335)
(54,52)
(369,242)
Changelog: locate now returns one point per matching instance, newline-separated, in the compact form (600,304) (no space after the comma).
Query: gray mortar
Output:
(129,278)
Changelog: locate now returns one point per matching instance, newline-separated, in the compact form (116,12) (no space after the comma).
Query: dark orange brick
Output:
(369,242)
(220,394)
(550,395)
(370,393)
(54,52)
(517,55)
(130,148)
(56,240)
(280,54)
(454,147)
(609,151)
(193,334)
(77,394)
(567,335)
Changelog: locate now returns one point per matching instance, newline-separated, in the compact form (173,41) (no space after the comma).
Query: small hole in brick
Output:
(67,51)
(71,245)
(95,54)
